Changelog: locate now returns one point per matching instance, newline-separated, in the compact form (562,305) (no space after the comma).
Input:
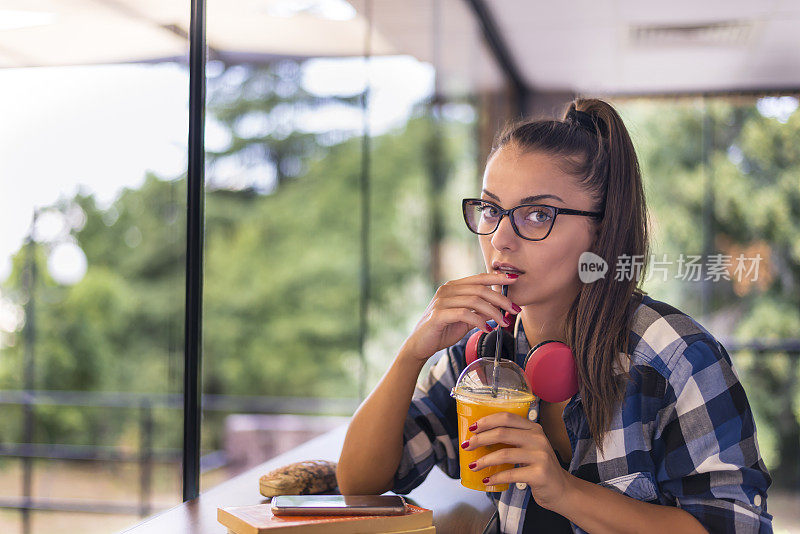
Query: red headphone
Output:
(549,366)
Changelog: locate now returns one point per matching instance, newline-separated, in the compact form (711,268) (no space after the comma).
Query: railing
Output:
(147,455)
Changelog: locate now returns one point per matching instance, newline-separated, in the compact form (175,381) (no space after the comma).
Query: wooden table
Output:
(456,509)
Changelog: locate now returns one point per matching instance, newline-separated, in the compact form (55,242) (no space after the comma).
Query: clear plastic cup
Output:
(474,400)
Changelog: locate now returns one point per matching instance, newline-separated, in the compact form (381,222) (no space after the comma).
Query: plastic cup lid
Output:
(476,380)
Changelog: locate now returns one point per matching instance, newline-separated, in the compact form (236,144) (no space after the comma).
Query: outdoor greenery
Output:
(282,262)
(747,159)
(282,273)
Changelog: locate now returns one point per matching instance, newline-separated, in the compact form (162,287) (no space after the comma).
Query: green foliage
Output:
(260,107)
(748,165)
(281,291)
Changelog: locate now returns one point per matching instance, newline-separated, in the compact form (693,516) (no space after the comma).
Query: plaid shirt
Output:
(684,435)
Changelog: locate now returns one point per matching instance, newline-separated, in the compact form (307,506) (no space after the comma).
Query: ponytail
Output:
(599,320)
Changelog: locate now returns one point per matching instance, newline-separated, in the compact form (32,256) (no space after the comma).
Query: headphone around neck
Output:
(549,366)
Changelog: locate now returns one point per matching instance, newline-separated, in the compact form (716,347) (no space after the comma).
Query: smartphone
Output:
(338,505)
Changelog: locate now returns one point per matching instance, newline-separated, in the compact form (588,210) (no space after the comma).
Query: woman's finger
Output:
(448,316)
(505,419)
(516,437)
(476,303)
(494,298)
(505,436)
(508,476)
(511,455)
(486,279)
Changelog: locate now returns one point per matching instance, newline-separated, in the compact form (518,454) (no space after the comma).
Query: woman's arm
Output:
(374,441)
(602,510)
(373,446)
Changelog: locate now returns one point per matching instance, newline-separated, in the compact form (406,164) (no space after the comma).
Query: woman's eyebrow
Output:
(526,200)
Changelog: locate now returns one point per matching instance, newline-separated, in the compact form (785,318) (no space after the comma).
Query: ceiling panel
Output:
(594,47)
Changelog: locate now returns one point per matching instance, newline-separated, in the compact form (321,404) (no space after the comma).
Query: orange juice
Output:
(472,407)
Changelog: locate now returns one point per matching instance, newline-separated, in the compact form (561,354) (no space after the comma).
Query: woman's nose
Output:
(504,237)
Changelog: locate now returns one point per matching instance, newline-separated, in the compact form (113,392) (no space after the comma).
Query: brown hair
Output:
(597,149)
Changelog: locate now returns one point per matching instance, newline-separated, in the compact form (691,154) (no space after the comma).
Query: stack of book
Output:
(258,519)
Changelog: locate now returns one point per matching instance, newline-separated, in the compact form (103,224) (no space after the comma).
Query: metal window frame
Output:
(194,253)
(499,48)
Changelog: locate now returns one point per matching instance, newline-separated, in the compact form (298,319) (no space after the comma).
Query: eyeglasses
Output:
(529,221)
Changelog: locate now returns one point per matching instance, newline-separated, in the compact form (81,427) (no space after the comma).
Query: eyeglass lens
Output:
(532,222)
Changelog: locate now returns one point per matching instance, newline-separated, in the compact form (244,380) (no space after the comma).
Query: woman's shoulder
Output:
(671,341)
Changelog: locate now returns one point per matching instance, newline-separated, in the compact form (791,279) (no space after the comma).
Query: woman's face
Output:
(548,268)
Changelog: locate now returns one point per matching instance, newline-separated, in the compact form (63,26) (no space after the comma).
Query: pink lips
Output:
(506,268)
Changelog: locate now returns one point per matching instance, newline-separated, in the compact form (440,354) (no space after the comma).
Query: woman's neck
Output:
(544,322)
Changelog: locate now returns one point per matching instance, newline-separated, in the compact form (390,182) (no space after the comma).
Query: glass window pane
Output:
(92,206)
(281,357)
(287,164)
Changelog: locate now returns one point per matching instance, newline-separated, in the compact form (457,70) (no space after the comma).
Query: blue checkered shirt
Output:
(684,435)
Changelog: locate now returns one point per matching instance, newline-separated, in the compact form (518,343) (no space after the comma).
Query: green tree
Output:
(261,109)
(742,167)
(282,269)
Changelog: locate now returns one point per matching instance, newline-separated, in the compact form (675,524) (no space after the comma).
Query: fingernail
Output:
(512,276)
(516,308)
(465,444)
(487,328)
(506,322)
(473,465)
(473,427)
(486,480)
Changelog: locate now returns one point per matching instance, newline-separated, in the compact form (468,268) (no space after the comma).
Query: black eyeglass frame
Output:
(510,212)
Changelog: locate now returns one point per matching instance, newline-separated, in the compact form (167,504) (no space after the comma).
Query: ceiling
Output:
(78,32)
(623,46)
(579,46)
(635,46)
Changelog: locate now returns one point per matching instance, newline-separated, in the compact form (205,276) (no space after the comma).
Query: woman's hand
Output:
(529,449)
(457,307)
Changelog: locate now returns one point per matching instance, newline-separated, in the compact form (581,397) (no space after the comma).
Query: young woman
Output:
(660,436)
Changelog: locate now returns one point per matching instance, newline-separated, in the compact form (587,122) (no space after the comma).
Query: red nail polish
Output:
(516,308)
(473,465)
(512,276)
(487,327)
(473,427)
(465,444)
(485,480)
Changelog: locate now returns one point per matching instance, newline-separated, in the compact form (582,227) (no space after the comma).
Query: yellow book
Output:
(258,519)
(426,530)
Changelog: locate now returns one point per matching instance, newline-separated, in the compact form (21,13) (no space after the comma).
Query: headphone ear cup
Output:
(551,371)
(487,345)
(471,350)
(482,345)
